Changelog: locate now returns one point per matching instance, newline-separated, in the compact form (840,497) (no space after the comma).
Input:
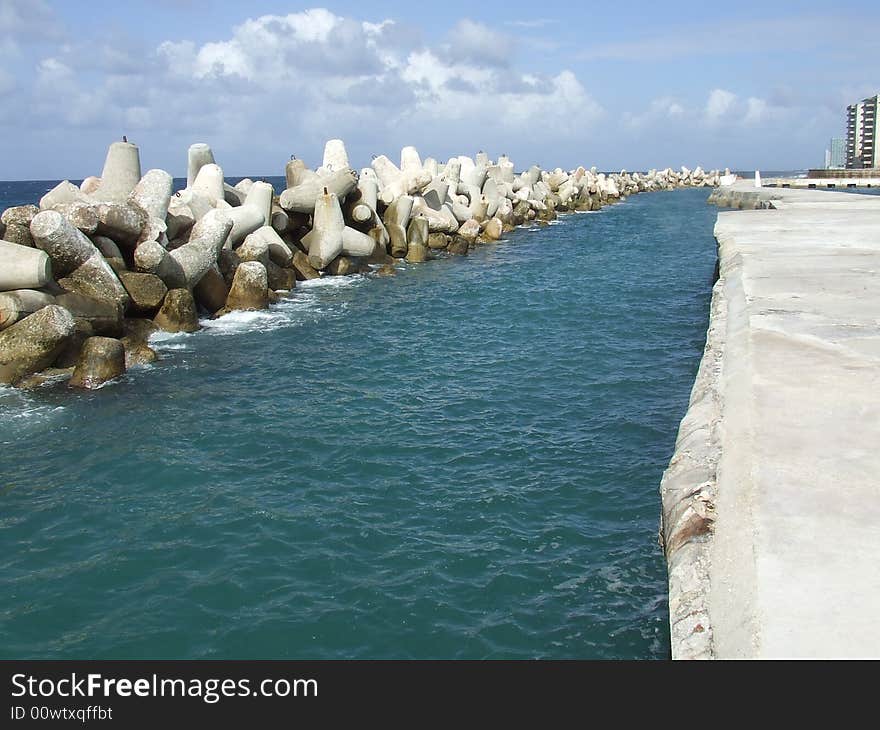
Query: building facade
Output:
(861,134)
(837,153)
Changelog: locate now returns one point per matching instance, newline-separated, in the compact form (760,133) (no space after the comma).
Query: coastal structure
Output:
(770,499)
(861,134)
(122,255)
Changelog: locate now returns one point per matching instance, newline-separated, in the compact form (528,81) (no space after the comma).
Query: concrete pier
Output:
(822,182)
(771,502)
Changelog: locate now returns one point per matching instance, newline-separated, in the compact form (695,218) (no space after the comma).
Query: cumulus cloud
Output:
(477,43)
(659,111)
(281,84)
(756,110)
(719,104)
(28,19)
(292,81)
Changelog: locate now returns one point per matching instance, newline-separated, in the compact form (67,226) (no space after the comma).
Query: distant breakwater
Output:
(89,274)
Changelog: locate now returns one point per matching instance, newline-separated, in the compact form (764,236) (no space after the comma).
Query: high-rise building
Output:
(861,133)
(837,154)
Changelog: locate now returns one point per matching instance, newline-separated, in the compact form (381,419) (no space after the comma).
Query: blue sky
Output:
(617,85)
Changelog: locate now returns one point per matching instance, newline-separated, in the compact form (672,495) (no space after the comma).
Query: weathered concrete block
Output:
(280,278)
(101,359)
(66,245)
(250,287)
(18,304)
(22,267)
(355,243)
(103,316)
(83,216)
(254,248)
(63,192)
(198,155)
(151,258)
(211,291)
(209,183)
(304,270)
(153,193)
(302,198)
(96,278)
(417,240)
(136,335)
(325,240)
(178,312)
(145,292)
(122,172)
(203,249)
(33,343)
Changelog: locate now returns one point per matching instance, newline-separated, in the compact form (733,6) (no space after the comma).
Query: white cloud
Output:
(659,111)
(756,110)
(479,44)
(719,104)
(279,84)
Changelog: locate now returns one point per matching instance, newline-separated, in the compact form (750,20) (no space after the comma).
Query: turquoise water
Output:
(458,462)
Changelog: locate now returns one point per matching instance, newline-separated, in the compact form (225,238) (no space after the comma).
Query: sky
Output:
(628,85)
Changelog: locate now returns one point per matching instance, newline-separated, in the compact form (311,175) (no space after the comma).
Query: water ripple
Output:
(460,461)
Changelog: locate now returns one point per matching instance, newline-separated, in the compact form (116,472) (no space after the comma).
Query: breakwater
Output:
(769,501)
(93,272)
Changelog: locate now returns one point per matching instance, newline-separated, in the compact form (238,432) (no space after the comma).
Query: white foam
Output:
(20,408)
(334,282)
(164,341)
(239,322)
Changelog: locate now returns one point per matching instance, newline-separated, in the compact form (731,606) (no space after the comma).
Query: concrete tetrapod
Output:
(397,217)
(100,359)
(153,193)
(152,258)
(325,239)
(355,243)
(18,304)
(417,238)
(33,343)
(203,249)
(260,197)
(79,266)
(302,198)
(198,155)
(123,222)
(63,192)
(209,183)
(212,290)
(253,249)
(178,312)
(279,251)
(67,246)
(81,215)
(335,156)
(122,172)
(23,267)
(90,184)
(245,220)
(250,287)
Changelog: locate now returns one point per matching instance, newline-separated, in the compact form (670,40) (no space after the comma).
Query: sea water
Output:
(461,461)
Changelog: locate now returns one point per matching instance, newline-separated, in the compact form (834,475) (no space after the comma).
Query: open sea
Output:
(461,461)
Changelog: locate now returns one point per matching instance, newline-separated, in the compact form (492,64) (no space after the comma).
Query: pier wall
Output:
(771,500)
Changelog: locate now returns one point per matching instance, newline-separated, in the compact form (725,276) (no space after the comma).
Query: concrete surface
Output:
(780,449)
